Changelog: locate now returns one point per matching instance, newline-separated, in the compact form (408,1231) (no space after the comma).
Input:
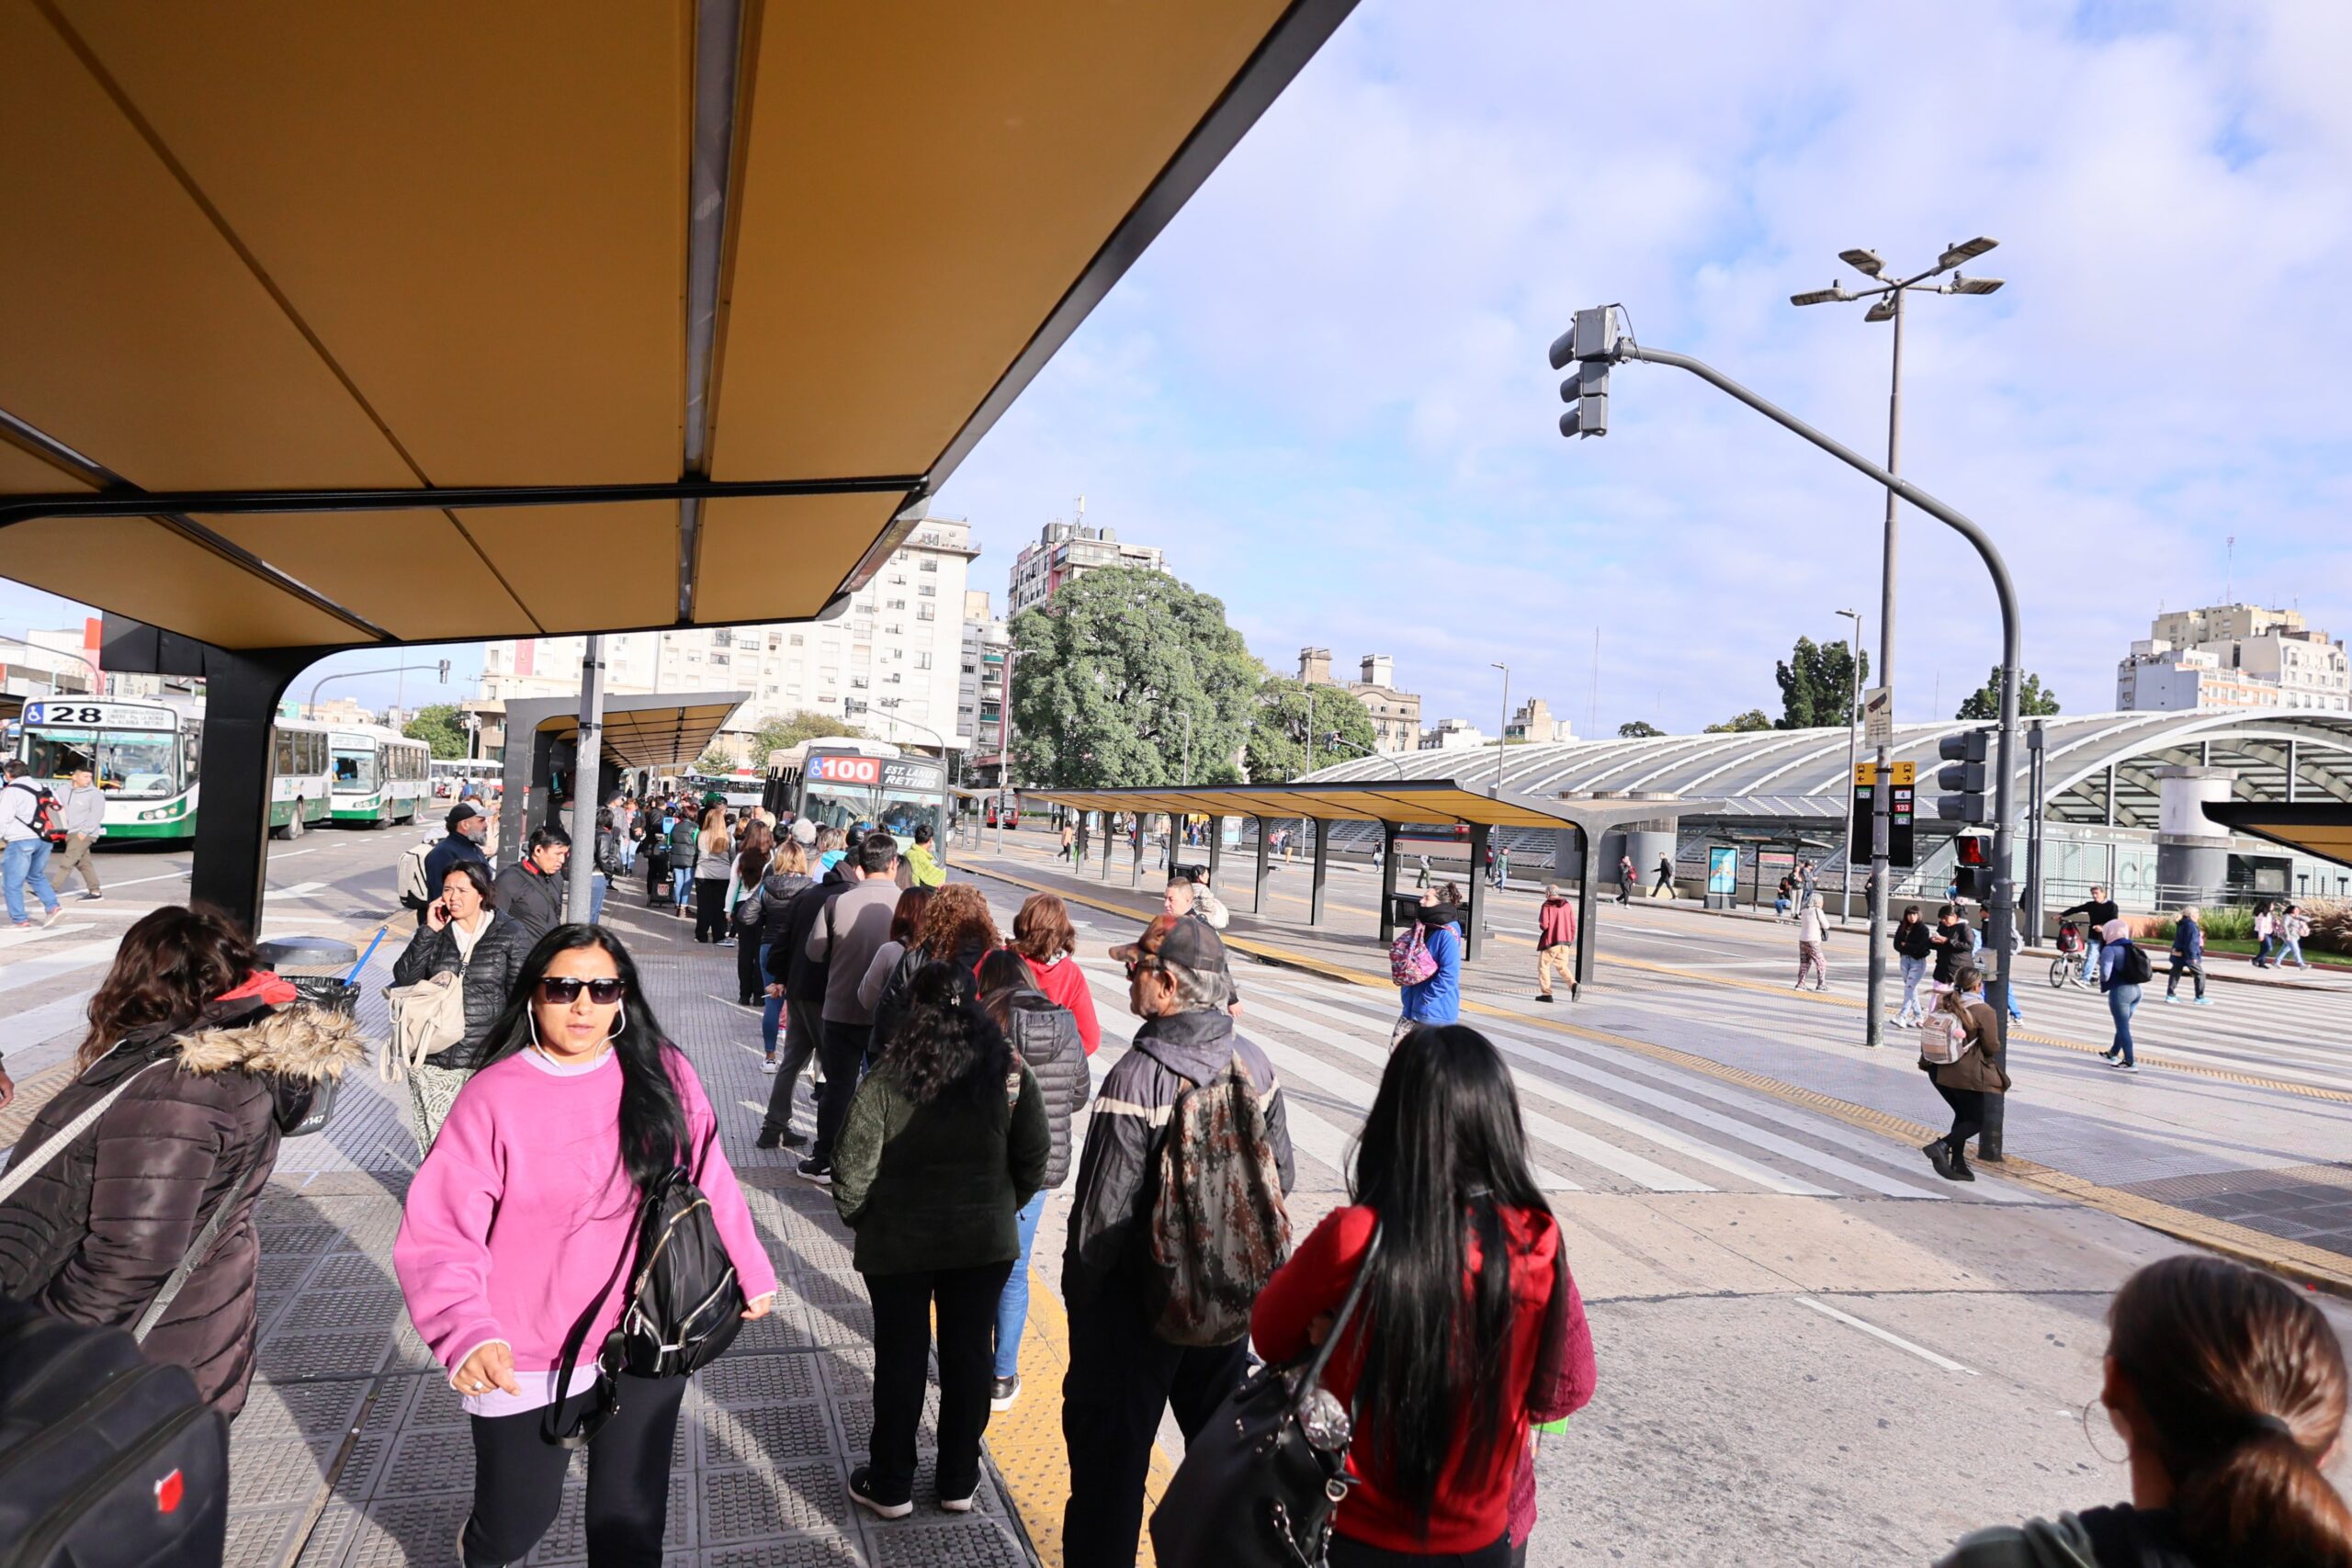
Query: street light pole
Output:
(98,677)
(1853,713)
(1005,742)
(1503,731)
(1890,296)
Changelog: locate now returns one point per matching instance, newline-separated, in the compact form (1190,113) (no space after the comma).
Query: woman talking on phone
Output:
(524,1212)
(462,935)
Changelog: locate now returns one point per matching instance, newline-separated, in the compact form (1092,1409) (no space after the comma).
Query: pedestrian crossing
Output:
(1599,1120)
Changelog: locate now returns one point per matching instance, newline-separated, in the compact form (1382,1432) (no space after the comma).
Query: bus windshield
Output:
(136,764)
(354,771)
(897,794)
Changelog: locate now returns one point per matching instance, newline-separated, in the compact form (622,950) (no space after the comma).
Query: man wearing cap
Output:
(1122,1375)
(467,824)
(1556,943)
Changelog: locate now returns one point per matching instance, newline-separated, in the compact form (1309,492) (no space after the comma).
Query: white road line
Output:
(1875,1332)
(136,881)
(50,961)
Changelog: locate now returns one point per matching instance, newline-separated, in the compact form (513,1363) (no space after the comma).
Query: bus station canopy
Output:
(642,732)
(335,325)
(1432,802)
(2322,828)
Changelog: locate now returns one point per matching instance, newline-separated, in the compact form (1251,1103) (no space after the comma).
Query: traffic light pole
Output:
(2000,908)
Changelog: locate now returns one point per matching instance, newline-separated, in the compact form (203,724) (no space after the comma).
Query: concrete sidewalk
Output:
(353,1451)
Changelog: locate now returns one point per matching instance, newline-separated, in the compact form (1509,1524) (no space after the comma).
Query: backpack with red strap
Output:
(49,818)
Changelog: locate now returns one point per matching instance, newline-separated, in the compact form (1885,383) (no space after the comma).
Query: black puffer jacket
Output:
(94,1236)
(529,896)
(777,889)
(1044,1035)
(488,977)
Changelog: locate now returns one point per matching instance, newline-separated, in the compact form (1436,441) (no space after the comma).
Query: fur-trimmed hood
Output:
(300,1043)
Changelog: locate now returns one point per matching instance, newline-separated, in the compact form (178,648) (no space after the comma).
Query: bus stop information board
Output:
(1898,826)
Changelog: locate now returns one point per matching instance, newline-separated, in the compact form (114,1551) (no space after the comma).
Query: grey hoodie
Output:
(2119,1537)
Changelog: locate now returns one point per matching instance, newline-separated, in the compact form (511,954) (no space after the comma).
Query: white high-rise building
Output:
(1067,551)
(894,654)
(2228,656)
(980,700)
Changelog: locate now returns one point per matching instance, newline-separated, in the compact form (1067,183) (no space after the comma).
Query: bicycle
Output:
(2066,969)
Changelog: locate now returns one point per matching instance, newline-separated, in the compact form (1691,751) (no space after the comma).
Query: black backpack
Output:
(106,1457)
(48,820)
(2134,968)
(684,1308)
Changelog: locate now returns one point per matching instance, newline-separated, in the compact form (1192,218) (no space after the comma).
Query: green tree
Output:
(2034,699)
(1277,749)
(1741,723)
(1637,730)
(715,760)
(1108,665)
(1817,682)
(440,727)
(801,723)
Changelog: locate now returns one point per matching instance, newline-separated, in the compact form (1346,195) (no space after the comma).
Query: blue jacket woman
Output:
(1437,999)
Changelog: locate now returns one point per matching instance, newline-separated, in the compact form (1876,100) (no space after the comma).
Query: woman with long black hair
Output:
(2228,1388)
(945,1141)
(1469,1327)
(524,1212)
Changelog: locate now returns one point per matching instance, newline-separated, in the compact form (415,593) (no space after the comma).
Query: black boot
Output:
(1959,1172)
(1938,1154)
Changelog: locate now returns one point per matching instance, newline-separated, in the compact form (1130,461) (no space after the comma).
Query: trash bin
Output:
(315,965)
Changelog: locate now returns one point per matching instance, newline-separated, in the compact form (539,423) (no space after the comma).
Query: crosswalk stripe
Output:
(48,963)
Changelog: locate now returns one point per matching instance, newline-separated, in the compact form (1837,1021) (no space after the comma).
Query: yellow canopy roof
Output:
(1440,801)
(2316,827)
(663,737)
(618,314)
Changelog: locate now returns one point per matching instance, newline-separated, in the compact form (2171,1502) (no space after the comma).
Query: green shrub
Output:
(2229,921)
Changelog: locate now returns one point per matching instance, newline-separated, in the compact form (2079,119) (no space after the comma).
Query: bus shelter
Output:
(1394,806)
(659,733)
(513,322)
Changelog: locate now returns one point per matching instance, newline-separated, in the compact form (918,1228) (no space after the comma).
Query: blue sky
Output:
(1324,391)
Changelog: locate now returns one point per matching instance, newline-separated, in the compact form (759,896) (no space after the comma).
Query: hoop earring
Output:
(2124,1458)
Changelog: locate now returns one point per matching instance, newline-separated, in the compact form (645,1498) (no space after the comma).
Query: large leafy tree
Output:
(790,730)
(1108,667)
(2034,699)
(1278,745)
(1741,723)
(439,728)
(1637,730)
(1817,682)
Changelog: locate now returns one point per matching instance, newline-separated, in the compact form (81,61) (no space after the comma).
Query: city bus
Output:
(449,776)
(379,775)
(836,781)
(146,755)
(742,789)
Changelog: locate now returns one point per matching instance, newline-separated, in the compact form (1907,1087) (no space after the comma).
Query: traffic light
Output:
(1964,776)
(1972,873)
(1591,346)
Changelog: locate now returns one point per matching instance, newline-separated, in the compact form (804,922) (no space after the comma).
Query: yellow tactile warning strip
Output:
(32,1094)
(1026,1440)
(2310,1265)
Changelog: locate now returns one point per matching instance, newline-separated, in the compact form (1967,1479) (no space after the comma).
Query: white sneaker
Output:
(768,1064)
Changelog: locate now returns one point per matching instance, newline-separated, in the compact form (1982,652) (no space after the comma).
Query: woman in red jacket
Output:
(1470,1326)
(1041,934)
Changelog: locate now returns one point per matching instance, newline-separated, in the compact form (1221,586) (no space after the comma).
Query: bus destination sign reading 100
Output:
(884,773)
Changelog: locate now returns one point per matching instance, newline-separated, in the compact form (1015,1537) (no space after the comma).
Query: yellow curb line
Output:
(2307,1265)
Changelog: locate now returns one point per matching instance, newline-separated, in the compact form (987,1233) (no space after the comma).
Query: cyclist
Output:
(2097,911)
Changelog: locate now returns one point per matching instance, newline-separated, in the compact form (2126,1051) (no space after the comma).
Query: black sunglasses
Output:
(563,989)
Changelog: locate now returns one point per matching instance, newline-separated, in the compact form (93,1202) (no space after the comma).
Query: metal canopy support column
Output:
(1588,873)
(1135,836)
(1322,869)
(1387,883)
(587,779)
(2111,796)
(1471,943)
(241,693)
(1109,848)
(1258,892)
(2290,771)
(1217,848)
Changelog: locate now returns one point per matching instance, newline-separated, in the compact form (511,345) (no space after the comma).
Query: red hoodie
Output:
(1065,986)
(1471,1511)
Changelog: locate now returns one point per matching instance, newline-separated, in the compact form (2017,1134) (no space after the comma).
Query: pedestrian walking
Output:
(198,1061)
(2098,911)
(1069,837)
(1556,943)
(1182,901)
(1664,888)
(786,880)
(85,811)
(463,831)
(2122,970)
(939,1150)
(27,815)
(1125,1371)
(2266,930)
(2228,1388)
(685,848)
(1953,942)
(463,936)
(1469,1326)
(2188,957)
(517,1224)
(1813,934)
(747,910)
(1044,1041)
(887,989)
(1436,997)
(714,864)
(846,936)
(530,892)
(803,981)
(1627,879)
(1982,1069)
(2292,929)
(1914,947)
(1080,838)
(1422,882)
(1043,935)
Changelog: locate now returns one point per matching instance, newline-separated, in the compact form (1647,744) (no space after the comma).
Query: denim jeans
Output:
(596,886)
(2121,1001)
(2090,961)
(772,1013)
(26,861)
(1914,971)
(1012,1307)
(679,877)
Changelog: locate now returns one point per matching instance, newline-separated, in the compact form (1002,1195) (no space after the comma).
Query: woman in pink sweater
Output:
(522,1213)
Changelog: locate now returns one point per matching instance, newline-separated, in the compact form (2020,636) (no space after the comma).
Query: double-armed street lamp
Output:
(1853,718)
(1886,296)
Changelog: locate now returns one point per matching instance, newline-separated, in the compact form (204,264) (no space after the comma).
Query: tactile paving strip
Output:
(256,1534)
(349,1353)
(811,1552)
(315,1310)
(744,1505)
(978,1542)
(427,1462)
(280,1467)
(757,1379)
(766,1435)
(400,1531)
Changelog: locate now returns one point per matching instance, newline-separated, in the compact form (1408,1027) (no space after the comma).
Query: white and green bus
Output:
(380,775)
(452,774)
(146,757)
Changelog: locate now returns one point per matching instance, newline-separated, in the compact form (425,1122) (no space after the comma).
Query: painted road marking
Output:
(1875,1332)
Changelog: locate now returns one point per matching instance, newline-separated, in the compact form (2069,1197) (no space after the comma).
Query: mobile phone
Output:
(441,908)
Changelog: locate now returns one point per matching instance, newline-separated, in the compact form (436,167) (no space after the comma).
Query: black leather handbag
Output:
(1260,1481)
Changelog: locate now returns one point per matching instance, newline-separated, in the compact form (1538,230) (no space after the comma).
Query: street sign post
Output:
(1877,718)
